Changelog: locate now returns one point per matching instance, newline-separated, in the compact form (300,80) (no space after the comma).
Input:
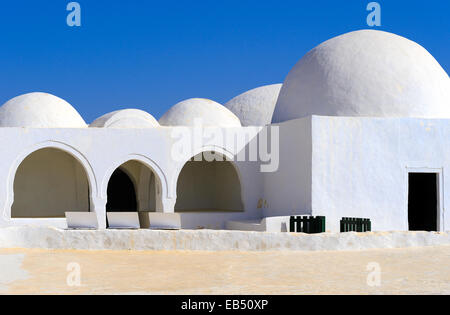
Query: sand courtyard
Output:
(402,271)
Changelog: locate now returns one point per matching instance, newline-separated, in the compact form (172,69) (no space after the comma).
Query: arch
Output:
(160,178)
(211,148)
(139,158)
(50,144)
(229,182)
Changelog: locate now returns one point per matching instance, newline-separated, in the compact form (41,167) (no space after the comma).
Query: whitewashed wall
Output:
(101,151)
(360,167)
(332,166)
(47,184)
(288,190)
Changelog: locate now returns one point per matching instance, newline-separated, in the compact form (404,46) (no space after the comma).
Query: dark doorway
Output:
(423,201)
(121,193)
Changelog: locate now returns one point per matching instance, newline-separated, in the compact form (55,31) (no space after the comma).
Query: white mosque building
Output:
(363,123)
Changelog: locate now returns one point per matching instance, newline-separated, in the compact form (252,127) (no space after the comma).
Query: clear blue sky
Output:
(153,54)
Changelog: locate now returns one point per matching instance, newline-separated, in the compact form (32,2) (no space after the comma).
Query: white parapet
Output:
(210,240)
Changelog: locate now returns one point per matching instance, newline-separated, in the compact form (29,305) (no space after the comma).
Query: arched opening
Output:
(49,183)
(121,193)
(209,186)
(133,187)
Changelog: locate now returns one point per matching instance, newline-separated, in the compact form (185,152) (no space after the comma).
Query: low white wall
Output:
(207,240)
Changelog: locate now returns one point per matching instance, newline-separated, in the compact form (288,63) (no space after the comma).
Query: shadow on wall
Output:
(209,187)
(49,183)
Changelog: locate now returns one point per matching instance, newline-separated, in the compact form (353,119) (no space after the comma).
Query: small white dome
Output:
(127,118)
(255,107)
(208,112)
(366,73)
(39,110)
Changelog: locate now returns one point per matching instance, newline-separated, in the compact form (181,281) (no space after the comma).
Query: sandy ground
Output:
(402,271)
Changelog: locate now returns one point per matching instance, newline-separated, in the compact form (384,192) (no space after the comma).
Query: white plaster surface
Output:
(127,118)
(270,224)
(360,168)
(366,73)
(255,107)
(39,110)
(330,166)
(208,240)
(247,225)
(98,154)
(212,186)
(287,191)
(49,183)
(211,113)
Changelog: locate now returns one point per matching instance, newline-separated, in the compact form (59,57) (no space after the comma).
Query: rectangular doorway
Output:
(423,202)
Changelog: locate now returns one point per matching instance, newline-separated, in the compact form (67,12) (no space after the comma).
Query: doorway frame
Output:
(440,191)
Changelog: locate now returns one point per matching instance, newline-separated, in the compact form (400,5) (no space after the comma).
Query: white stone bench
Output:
(123,220)
(81,220)
(160,221)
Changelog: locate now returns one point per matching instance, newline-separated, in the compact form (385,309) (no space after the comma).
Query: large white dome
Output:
(255,107)
(127,118)
(206,112)
(366,73)
(39,110)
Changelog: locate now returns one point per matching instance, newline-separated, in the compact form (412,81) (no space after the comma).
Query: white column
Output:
(98,205)
(167,205)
